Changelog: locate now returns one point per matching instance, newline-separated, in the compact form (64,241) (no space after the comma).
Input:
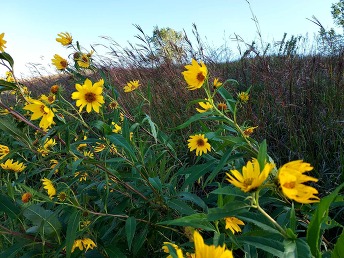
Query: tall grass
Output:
(297,92)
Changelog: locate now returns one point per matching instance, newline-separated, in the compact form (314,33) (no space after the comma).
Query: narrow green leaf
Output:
(120,141)
(114,252)
(232,208)
(9,126)
(193,198)
(318,218)
(292,218)
(198,220)
(259,220)
(5,85)
(140,240)
(152,127)
(72,229)
(130,227)
(338,249)
(7,57)
(156,183)
(267,244)
(262,153)
(180,206)
(192,119)
(8,206)
(195,172)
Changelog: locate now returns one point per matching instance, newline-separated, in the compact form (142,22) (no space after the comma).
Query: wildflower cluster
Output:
(88,176)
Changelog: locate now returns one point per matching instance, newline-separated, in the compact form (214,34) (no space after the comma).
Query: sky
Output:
(31,26)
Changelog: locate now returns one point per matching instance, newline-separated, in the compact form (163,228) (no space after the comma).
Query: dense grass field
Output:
(110,169)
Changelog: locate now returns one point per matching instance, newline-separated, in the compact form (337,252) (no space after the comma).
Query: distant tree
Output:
(168,44)
(338,13)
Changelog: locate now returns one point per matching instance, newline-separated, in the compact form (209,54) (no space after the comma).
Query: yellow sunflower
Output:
(4,150)
(2,42)
(117,128)
(84,61)
(206,251)
(232,223)
(195,75)
(199,143)
(48,185)
(243,97)
(89,95)
(59,62)
(205,105)
(39,110)
(291,179)
(13,166)
(251,177)
(248,131)
(86,243)
(216,83)
(64,38)
(131,86)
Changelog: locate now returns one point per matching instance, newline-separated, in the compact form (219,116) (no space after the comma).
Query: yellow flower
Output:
(59,62)
(113,105)
(89,95)
(248,131)
(64,38)
(100,147)
(82,177)
(252,177)
(48,185)
(88,154)
(217,84)
(26,197)
(2,42)
(82,146)
(39,110)
(199,143)
(53,163)
(131,86)
(9,77)
(205,105)
(243,97)
(206,251)
(233,223)
(47,99)
(195,75)
(83,243)
(13,166)
(117,128)
(4,150)
(84,61)
(113,149)
(291,179)
(62,196)
(179,251)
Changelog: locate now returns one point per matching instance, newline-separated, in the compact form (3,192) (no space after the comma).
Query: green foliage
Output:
(117,184)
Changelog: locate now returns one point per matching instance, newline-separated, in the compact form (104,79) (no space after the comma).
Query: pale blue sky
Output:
(31,26)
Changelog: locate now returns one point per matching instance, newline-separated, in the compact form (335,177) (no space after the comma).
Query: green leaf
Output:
(338,249)
(46,220)
(319,217)
(10,127)
(8,206)
(114,252)
(152,127)
(296,248)
(7,57)
(72,229)
(196,172)
(130,227)
(5,85)
(262,153)
(267,244)
(120,141)
(140,240)
(230,209)
(259,220)
(198,220)
(180,206)
(193,198)
(156,183)
(192,119)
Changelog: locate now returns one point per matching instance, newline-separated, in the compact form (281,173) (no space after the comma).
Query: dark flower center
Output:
(90,97)
(63,63)
(42,110)
(200,142)
(200,77)
(248,182)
